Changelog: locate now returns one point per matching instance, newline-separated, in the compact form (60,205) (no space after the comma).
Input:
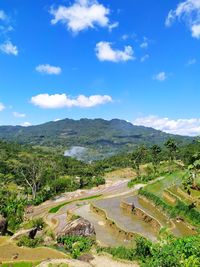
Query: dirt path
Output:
(58,220)
(99,261)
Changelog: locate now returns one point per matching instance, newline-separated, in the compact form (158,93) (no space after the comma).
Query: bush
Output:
(37,223)
(25,241)
(143,247)
(76,245)
(120,252)
(172,253)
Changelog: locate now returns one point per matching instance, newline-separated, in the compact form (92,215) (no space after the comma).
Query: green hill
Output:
(91,138)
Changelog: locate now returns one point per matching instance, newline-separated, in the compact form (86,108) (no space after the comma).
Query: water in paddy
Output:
(179,229)
(149,209)
(104,234)
(126,221)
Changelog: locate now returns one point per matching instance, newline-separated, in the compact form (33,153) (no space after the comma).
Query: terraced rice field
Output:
(8,249)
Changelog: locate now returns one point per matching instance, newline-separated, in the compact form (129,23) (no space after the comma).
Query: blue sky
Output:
(136,60)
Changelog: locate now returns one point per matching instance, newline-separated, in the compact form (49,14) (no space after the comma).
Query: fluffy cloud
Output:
(26,124)
(3,15)
(196,30)
(191,62)
(9,49)
(83,14)
(48,69)
(62,100)
(161,76)
(144,44)
(2,107)
(19,115)
(189,127)
(105,52)
(144,58)
(189,12)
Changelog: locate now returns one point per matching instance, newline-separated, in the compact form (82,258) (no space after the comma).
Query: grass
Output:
(158,187)
(57,208)
(19,264)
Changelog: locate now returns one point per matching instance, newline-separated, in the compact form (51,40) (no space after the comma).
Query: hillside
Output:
(90,138)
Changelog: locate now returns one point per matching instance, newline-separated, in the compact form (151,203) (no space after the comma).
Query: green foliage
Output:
(180,209)
(103,138)
(171,253)
(19,264)
(25,241)
(76,245)
(36,223)
(11,204)
(143,247)
(139,156)
(119,252)
(31,176)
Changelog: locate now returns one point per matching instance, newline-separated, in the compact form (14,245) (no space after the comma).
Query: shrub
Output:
(37,223)
(143,247)
(120,252)
(76,245)
(25,241)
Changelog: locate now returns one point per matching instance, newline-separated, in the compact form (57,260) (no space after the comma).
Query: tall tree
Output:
(155,152)
(138,157)
(172,149)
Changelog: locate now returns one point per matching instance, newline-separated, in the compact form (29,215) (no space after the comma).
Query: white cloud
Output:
(9,49)
(83,14)
(62,100)
(189,127)
(144,44)
(3,15)
(105,52)
(189,12)
(48,69)
(191,62)
(26,124)
(19,115)
(113,26)
(2,107)
(144,58)
(161,76)
(125,37)
(196,30)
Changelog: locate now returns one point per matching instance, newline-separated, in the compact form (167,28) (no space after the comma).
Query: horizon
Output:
(57,63)
(108,120)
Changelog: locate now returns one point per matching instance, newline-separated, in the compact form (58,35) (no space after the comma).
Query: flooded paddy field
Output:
(178,228)
(124,220)
(106,235)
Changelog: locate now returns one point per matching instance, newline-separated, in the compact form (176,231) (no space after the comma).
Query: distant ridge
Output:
(100,137)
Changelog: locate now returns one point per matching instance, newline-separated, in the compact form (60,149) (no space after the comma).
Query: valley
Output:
(128,206)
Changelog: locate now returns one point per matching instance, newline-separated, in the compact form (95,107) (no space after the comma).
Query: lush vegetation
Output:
(29,176)
(171,252)
(101,138)
(180,208)
(25,241)
(76,245)
(19,264)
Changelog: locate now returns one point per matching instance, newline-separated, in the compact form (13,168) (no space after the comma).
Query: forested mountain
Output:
(99,137)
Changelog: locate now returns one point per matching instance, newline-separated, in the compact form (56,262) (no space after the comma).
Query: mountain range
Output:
(90,138)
